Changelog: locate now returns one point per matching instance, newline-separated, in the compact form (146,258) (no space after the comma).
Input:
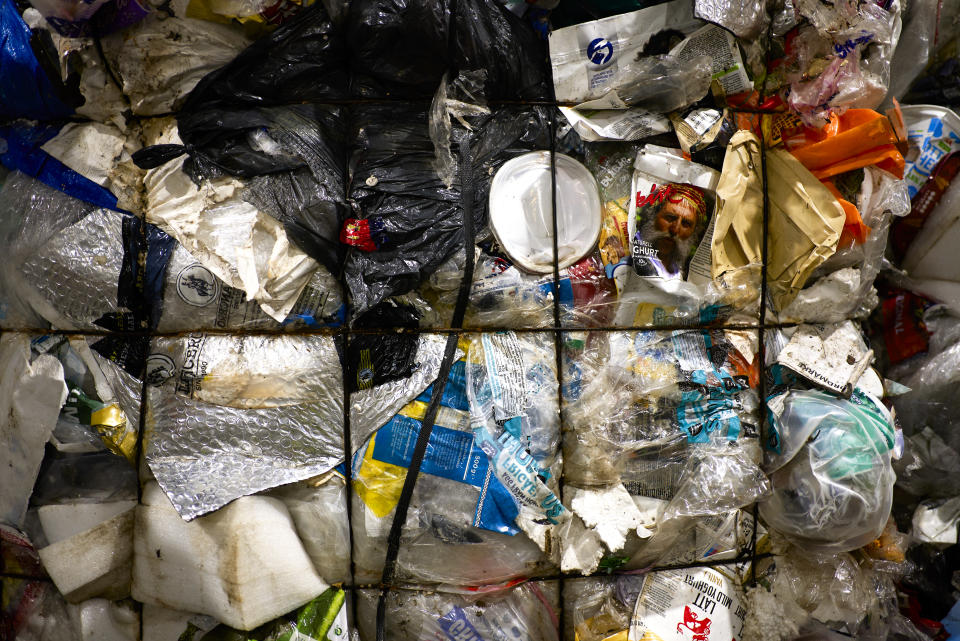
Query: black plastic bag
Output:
(402,48)
(374,359)
(411,222)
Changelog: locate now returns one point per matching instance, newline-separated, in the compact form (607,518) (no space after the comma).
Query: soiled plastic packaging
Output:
(830,465)
(526,612)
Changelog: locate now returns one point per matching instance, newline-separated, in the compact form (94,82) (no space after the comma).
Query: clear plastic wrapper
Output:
(526,611)
(832,492)
(842,58)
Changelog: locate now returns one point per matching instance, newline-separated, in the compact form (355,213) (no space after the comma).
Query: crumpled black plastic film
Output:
(287,116)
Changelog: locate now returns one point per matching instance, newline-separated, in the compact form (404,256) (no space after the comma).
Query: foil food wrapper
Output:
(230,416)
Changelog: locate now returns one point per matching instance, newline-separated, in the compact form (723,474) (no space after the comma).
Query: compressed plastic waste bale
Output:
(680,437)
(243,564)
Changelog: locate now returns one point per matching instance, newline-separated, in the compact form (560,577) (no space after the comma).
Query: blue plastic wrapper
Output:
(25,89)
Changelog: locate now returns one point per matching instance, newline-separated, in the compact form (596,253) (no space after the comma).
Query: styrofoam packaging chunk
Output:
(243,564)
(95,562)
(609,511)
(31,395)
(63,521)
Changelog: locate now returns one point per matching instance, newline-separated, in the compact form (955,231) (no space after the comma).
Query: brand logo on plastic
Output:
(600,51)
(197,285)
(159,368)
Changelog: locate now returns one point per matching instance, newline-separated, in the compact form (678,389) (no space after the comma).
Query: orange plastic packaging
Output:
(856,139)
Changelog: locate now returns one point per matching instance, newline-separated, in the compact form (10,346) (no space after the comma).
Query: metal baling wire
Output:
(463,295)
(557,332)
(761,350)
(344,336)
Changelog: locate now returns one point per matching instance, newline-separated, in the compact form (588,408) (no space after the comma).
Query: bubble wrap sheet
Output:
(72,280)
(205,455)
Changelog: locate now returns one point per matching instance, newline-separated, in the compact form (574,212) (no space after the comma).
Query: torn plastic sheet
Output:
(242,246)
(830,356)
(161,59)
(206,454)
